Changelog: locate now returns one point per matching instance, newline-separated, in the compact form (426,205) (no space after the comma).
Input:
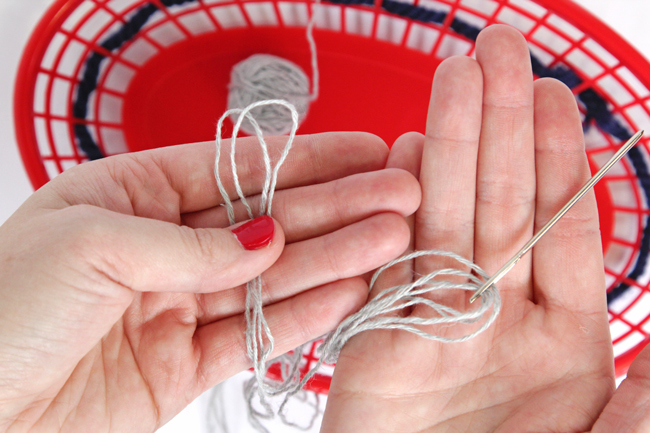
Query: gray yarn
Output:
(216,415)
(260,342)
(372,315)
(263,77)
(255,417)
(275,94)
(271,179)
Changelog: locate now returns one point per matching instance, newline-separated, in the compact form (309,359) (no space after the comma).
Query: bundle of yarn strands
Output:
(260,342)
(269,95)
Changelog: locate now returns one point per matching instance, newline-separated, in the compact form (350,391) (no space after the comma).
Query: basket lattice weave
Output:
(102,77)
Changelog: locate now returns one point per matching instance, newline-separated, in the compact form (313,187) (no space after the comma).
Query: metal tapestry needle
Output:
(513,261)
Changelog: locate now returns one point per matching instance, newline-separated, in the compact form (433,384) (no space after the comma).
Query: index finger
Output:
(179,179)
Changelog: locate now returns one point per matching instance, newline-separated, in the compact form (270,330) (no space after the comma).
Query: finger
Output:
(315,210)
(405,154)
(445,220)
(627,411)
(346,253)
(568,262)
(180,179)
(294,321)
(150,255)
(505,192)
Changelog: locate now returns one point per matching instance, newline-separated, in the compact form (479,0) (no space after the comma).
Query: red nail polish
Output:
(256,233)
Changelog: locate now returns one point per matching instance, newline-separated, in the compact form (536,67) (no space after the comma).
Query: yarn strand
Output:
(267,77)
(373,314)
(259,340)
(315,80)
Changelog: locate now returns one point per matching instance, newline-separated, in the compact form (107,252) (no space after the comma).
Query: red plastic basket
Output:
(168,85)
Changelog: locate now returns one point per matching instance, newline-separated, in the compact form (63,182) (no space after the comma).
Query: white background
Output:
(17,18)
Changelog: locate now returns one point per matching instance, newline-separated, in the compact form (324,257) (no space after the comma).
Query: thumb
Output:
(629,408)
(151,255)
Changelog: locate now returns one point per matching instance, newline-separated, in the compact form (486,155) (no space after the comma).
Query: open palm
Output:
(501,156)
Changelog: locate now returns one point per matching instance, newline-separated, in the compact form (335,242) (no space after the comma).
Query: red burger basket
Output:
(102,77)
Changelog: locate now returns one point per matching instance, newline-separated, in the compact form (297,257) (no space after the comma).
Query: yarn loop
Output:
(374,315)
(259,340)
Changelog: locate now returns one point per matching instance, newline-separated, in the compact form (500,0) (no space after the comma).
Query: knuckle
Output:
(315,157)
(504,193)
(205,248)
(204,243)
(83,228)
(562,148)
(508,107)
(442,140)
(86,243)
(332,260)
(249,165)
(444,224)
(304,327)
(578,224)
(339,206)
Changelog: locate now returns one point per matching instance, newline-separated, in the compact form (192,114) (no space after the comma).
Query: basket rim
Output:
(25,88)
(602,33)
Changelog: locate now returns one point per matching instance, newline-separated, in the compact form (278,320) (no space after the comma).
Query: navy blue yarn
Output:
(597,110)
(88,82)
(641,169)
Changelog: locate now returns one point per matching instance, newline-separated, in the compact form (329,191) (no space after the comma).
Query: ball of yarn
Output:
(261,77)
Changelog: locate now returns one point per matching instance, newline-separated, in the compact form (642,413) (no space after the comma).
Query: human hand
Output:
(122,290)
(501,156)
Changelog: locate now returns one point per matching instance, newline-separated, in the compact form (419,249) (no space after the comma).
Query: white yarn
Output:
(263,77)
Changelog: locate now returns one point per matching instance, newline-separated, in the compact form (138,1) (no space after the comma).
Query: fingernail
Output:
(256,233)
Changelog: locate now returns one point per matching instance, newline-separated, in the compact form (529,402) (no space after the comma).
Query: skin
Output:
(500,157)
(122,291)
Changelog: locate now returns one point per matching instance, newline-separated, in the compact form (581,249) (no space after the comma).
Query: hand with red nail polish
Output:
(122,284)
(501,155)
